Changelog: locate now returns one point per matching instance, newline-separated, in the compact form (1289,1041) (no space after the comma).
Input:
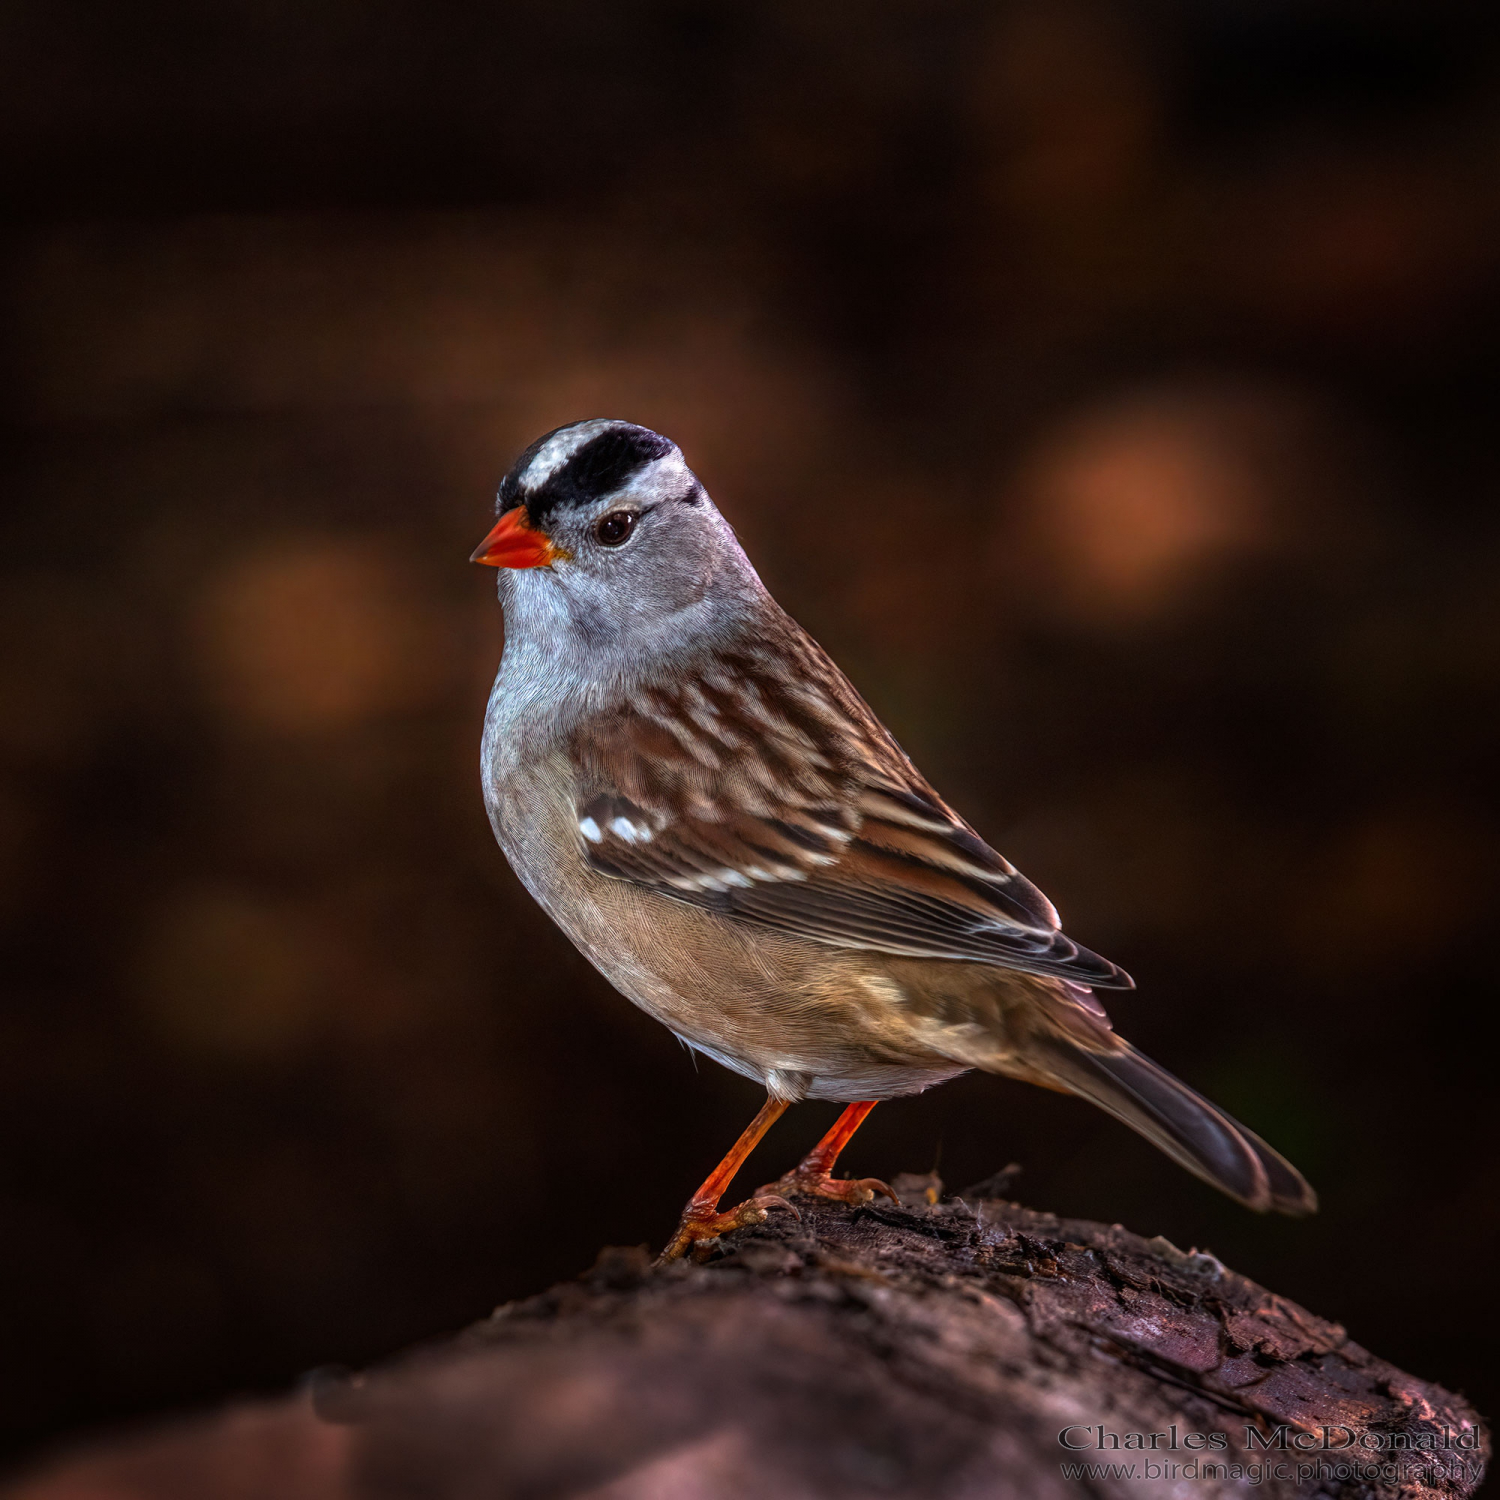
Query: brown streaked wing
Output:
(767,790)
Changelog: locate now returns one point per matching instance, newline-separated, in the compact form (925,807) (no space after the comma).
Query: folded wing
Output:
(763,787)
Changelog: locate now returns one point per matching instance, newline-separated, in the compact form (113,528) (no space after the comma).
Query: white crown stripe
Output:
(559,448)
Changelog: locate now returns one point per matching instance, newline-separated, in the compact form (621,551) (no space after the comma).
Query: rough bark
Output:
(937,1350)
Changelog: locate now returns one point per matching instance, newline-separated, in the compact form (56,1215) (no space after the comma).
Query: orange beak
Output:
(515,544)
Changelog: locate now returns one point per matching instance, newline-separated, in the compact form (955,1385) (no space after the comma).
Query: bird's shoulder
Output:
(755,780)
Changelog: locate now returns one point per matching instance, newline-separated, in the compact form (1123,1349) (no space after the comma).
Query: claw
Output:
(701,1223)
(775,1200)
(819,1184)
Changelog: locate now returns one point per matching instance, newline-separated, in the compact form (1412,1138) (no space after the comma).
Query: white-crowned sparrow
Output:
(699,798)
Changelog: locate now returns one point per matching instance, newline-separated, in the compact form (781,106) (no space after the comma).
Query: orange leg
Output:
(813,1173)
(701,1219)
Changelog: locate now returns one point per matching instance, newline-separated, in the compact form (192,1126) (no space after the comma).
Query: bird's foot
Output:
(817,1182)
(702,1222)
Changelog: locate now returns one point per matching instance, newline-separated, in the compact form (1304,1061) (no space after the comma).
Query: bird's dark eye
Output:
(611,530)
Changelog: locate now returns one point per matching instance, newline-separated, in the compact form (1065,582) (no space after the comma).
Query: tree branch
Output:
(934,1350)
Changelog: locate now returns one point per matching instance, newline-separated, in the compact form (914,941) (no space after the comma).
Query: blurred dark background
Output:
(1111,387)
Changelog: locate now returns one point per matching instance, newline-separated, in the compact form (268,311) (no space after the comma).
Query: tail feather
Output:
(1194,1133)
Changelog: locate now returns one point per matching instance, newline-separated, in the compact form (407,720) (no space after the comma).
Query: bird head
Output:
(605,529)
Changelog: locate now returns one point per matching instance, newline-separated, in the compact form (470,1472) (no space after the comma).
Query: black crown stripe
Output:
(601,466)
